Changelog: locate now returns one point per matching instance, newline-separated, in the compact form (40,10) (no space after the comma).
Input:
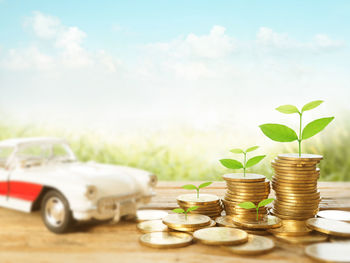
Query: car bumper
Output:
(118,208)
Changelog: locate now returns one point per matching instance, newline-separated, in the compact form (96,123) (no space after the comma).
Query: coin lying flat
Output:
(291,228)
(267,223)
(180,220)
(254,246)
(152,226)
(225,221)
(329,252)
(221,236)
(310,238)
(335,215)
(239,177)
(166,239)
(330,227)
(144,215)
(303,157)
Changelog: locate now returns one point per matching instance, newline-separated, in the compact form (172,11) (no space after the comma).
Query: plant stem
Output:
(245,158)
(197,193)
(185,215)
(257,214)
(299,139)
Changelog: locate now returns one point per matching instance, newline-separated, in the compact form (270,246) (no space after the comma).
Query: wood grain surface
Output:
(24,237)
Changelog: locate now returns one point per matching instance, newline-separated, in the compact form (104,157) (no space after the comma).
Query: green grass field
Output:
(188,154)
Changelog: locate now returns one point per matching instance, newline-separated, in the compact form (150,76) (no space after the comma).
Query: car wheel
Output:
(56,213)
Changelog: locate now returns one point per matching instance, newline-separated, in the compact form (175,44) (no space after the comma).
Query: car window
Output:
(5,152)
(33,151)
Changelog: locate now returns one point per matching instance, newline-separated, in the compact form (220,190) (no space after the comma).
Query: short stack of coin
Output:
(248,188)
(208,204)
(187,223)
(295,186)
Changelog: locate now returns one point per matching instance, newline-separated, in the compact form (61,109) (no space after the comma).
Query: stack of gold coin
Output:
(208,204)
(248,188)
(187,223)
(295,185)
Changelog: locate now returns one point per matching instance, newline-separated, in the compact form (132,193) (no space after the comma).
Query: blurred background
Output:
(172,86)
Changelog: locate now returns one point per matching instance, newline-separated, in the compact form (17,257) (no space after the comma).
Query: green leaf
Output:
(247,205)
(237,150)
(231,164)
(179,210)
(191,208)
(315,127)
(288,109)
(204,185)
(189,187)
(278,132)
(265,202)
(311,105)
(250,149)
(254,160)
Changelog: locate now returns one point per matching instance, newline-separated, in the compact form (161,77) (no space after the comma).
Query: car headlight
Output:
(153,179)
(91,192)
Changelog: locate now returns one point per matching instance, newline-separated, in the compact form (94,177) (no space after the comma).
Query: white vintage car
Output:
(43,173)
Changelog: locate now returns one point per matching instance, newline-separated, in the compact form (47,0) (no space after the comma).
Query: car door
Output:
(5,153)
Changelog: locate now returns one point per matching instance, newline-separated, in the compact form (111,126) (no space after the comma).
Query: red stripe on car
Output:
(21,190)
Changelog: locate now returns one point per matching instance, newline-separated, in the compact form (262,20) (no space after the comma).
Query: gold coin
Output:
(295,209)
(144,215)
(259,188)
(192,229)
(330,227)
(292,178)
(203,208)
(328,252)
(180,220)
(256,232)
(268,222)
(299,200)
(249,183)
(305,169)
(277,184)
(291,228)
(295,205)
(289,217)
(293,163)
(221,236)
(303,157)
(297,173)
(152,226)
(166,239)
(335,215)
(248,194)
(285,190)
(340,240)
(256,245)
(295,214)
(310,238)
(239,177)
(201,200)
(308,182)
(225,221)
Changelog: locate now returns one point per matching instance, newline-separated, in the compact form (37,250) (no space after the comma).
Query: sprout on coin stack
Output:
(207,204)
(296,175)
(245,187)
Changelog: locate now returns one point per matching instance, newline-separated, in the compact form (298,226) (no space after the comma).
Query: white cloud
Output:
(215,45)
(269,39)
(66,48)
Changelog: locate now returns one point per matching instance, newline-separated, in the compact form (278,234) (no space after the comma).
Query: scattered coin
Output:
(254,246)
(221,236)
(329,252)
(176,221)
(144,215)
(225,221)
(166,239)
(335,215)
(152,226)
(330,227)
(310,238)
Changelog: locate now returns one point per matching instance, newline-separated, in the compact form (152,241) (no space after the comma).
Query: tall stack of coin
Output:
(295,185)
(248,188)
(208,204)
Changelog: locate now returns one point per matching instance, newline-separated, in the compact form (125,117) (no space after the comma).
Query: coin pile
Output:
(248,188)
(208,204)
(295,185)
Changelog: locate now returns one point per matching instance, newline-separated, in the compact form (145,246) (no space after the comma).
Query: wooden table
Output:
(24,238)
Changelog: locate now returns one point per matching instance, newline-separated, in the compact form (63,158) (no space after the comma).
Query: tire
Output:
(55,212)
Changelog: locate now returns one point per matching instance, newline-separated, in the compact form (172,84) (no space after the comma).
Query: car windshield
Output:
(36,154)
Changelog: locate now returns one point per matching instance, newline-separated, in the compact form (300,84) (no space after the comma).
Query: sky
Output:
(151,63)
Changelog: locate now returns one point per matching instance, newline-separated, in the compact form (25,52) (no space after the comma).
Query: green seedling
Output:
(234,164)
(282,133)
(182,211)
(251,205)
(193,187)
